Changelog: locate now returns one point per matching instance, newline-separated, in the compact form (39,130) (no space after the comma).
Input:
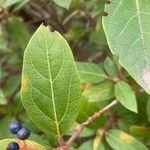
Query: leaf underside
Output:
(50,83)
(128,35)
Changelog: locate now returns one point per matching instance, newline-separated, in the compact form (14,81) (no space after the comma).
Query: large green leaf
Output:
(125,95)
(118,139)
(50,83)
(28,144)
(63,3)
(90,72)
(128,35)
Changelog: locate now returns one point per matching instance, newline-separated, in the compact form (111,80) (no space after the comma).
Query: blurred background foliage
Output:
(81,25)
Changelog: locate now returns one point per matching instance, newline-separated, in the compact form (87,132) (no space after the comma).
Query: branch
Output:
(88,121)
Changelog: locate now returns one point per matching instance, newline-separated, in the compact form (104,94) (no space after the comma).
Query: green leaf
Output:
(18,32)
(50,83)
(110,67)
(90,72)
(139,131)
(118,139)
(64,3)
(148,109)
(29,144)
(100,92)
(3,99)
(128,35)
(125,95)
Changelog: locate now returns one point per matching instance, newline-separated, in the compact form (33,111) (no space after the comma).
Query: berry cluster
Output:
(22,133)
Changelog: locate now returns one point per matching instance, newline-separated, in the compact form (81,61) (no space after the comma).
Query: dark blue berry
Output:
(13,146)
(23,133)
(14,126)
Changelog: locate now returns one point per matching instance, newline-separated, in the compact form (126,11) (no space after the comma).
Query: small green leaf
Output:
(90,72)
(29,144)
(139,131)
(63,3)
(118,139)
(100,92)
(110,67)
(3,99)
(50,83)
(125,95)
(148,109)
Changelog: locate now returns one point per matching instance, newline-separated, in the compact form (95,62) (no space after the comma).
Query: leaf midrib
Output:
(51,85)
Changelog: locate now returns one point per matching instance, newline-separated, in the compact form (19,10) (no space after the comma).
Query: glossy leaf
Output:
(64,3)
(128,35)
(3,99)
(118,139)
(90,72)
(50,83)
(29,144)
(125,95)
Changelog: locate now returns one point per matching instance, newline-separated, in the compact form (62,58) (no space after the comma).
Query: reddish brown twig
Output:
(88,121)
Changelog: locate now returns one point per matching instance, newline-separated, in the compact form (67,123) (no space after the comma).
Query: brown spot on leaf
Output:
(85,86)
(126,138)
